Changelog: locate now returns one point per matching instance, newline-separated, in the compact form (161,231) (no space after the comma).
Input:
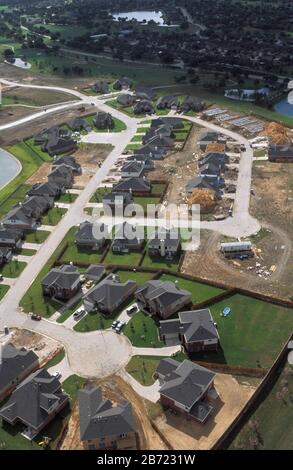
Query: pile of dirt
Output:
(206,198)
(276,133)
(215,147)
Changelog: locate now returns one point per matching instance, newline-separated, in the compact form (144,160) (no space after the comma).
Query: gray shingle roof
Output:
(198,325)
(14,362)
(99,418)
(165,292)
(133,184)
(110,293)
(187,383)
(64,277)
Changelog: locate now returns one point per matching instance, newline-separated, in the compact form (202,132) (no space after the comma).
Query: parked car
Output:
(114,324)
(119,326)
(78,313)
(131,310)
(36,317)
(57,375)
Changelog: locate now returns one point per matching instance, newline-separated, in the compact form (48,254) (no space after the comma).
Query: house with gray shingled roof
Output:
(185,388)
(91,236)
(62,282)
(104,425)
(15,365)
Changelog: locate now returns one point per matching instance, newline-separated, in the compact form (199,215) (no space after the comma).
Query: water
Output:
(9,167)
(284,107)
(139,16)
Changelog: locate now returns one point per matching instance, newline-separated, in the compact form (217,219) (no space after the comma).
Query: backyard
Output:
(73,254)
(199,291)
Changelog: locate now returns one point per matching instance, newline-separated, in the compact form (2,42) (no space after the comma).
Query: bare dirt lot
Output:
(44,347)
(34,97)
(115,389)
(89,156)
(189,435)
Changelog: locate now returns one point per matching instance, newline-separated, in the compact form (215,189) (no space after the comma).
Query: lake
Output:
(139,16)
(284,107)
(10,167)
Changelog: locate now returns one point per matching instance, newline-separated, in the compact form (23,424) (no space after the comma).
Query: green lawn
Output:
(94,321)
(12,269)
(133,147)
(128,259)
(119,126)
(137,138)
(144,201)
(200,292)
(37,237)
(67,198)
(142,368)
(139,277)
(30,163)
(253,333)
(99,194)
(36,149)
(160,263)
(54,216)
(158,188)
(27,252)
(3,290)
(56,359)
(270,427)
(142,331)
(72,253)
(142,130)
(17,196)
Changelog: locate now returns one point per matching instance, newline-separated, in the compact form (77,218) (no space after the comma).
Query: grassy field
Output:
(142,368)
(54,216)
(144,201)
(200,292)
(142,331)
(30,163)
(39,236)
(67,198)
(36,149)
(125,259)
(3,290)
(160,263)
(99,194)
(270,427)
(253,334)
(15,198)
(158,188)
(12,269)
(139,278)
(27,252)
(94,321)
(72,253)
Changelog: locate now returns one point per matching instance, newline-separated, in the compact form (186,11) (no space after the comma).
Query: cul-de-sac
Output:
(115,332)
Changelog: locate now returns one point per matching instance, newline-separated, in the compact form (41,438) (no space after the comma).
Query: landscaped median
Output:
(3,290)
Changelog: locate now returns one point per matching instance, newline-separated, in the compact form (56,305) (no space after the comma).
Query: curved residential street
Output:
(101,353)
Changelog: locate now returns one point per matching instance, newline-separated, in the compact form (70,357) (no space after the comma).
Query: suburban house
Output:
(161,141)
(195,330)
(132,169)
(146,160)
(62,176)
(101,86)
(15,365)
(79,124)
(210,169)
(168,102)
(54,131)
(123,83)
(205,182)
(38,205)
(94,272)
(173,122)
(59,145)
(46,189)
(126,100)
(207,138)
(109,295)
(145,93)
(11,238)
(162,298)
(280,153)
(217,158)
(126,240)
(191,103)
(18,219)
(143,107)
(104,425)
(35,403)
(186,388)
(117,202)
(151,151)
(62,282)
(103,120)
(91,236)
(135,185)
(162,131)
(68,161)
(5,255)
(164,244)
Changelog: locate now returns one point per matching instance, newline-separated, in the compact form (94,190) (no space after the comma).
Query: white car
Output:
(79,313)
(57,375)
(119,326)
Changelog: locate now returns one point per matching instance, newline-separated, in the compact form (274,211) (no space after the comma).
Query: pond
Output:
(140,16)
(10,167)
(284,107)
